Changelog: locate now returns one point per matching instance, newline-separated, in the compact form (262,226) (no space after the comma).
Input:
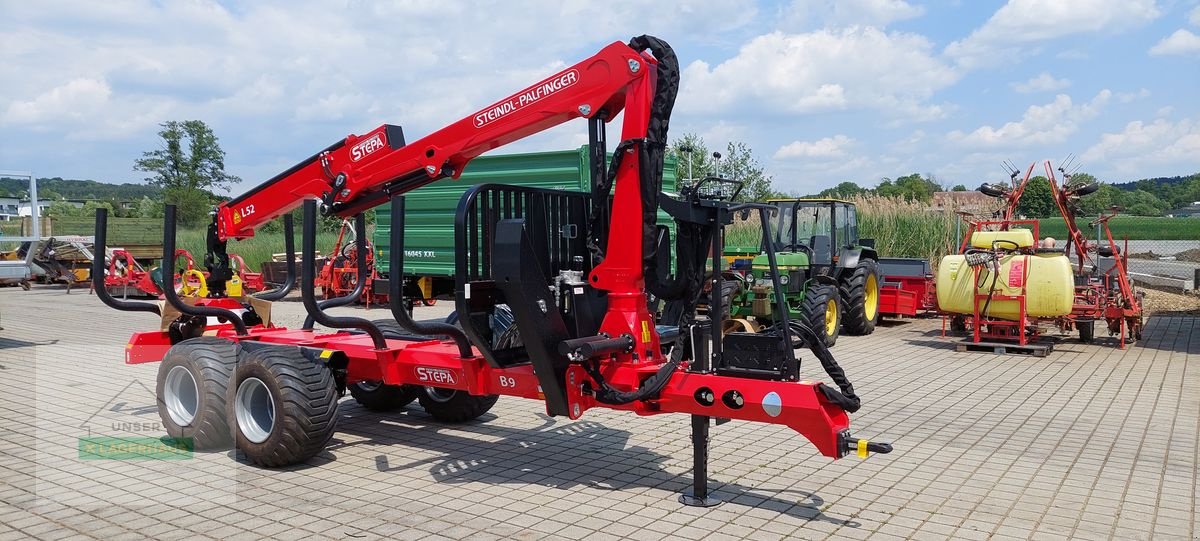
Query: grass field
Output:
(1132,227)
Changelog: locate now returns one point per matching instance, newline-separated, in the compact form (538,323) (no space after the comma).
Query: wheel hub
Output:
(181,396)
(871,297)
(255,410)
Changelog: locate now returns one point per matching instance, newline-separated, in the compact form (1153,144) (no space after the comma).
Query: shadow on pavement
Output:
(556,455)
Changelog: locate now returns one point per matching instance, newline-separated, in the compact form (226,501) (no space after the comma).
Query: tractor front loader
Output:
(574,270)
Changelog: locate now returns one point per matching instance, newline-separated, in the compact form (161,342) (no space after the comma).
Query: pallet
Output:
(1003,348)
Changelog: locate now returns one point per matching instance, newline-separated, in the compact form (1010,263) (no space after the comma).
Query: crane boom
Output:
(360,171)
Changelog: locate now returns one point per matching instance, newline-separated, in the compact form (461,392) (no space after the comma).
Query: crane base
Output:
(692,501)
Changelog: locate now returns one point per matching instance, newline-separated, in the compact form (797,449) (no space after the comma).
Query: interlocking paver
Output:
(1089,443)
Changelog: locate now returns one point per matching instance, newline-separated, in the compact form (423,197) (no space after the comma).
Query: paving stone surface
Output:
(1091,442)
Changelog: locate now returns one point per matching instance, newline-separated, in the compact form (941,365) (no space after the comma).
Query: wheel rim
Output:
(871,297)
(255,410)
(830,317)
(438,394)
(181,396)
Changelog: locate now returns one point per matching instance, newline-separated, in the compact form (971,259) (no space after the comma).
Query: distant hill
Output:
(1157,181)
(79,189)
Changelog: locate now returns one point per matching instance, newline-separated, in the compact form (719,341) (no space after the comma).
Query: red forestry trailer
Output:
(572,270)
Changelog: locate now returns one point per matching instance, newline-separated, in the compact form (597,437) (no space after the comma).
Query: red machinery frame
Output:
(360,172)
(1109,296)
(908,295)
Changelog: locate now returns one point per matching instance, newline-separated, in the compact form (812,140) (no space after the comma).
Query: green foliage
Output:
(958,188)
(63,209)
(845,190)
(737,162)
(189,164)
(903,227)
(148,208)
(1037,201)
(1131,227)
(1173,192)
(912,187)
(59,188)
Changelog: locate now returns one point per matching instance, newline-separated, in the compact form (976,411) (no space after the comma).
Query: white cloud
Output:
(1143,150)
(1020,23)
(77,98)
(1044,82)
(257,71)
(1040,125)
(824,148)
(1182,42)
(828,70)
(1130,97)
(1194,16)
(838,13)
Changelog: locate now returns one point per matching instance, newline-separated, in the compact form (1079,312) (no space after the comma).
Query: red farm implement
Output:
(1102,290)
(572,269)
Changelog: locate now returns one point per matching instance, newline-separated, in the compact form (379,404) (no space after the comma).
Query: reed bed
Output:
(901,228)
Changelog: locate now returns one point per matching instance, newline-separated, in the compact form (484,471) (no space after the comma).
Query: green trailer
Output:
(429,212)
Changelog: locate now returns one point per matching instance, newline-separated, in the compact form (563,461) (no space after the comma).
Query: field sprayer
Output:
(573,269)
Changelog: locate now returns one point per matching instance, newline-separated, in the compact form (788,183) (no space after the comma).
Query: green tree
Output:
(61,209)
(189,164)
(958,188)
(148,208)
(1036,200)
(737,162)
(916,187)
(845,190)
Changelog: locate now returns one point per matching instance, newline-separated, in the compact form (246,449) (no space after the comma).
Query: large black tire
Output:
(192,381)
(1087,330)
(283,406)
(377,396)
(859,290)
(819,306)
(450,406)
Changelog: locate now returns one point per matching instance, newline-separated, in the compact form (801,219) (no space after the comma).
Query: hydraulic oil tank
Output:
(1045,279)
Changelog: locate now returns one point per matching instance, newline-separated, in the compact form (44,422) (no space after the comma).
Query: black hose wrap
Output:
(843,396)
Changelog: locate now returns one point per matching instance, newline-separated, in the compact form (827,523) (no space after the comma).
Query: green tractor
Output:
(830,277)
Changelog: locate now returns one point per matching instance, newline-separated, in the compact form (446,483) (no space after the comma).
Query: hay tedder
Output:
(572,268)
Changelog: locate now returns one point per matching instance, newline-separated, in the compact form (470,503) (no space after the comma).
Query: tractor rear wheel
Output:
(283,406)
(192,381)
(860,295)
(822,311)
(453,406)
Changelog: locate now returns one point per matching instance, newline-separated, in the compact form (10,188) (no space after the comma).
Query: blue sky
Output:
(823,91)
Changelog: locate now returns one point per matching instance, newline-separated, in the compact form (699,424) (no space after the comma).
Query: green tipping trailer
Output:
(429,211)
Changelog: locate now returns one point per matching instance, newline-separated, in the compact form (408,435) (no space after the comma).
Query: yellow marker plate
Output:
(862,448)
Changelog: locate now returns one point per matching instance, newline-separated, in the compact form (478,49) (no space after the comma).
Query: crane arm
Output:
(360,171)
